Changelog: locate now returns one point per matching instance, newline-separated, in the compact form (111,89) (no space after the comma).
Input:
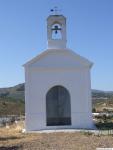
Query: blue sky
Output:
(23,36)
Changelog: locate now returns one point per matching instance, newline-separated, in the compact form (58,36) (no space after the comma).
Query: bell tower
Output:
(56,31)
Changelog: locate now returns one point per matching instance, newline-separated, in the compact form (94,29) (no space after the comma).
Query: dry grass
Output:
(13,139)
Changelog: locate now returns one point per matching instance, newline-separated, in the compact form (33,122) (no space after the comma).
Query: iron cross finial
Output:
(55,10)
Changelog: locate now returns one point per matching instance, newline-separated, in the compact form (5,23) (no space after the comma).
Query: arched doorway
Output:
(58,107)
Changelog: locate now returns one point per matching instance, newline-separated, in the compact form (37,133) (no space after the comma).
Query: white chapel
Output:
(57,84)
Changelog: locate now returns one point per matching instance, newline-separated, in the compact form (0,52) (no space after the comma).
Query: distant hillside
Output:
(17,93)
(12,100)
(99,93)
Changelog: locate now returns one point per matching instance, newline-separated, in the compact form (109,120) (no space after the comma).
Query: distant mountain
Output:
(100,91)
(17,93)
(101,94)
(12,99)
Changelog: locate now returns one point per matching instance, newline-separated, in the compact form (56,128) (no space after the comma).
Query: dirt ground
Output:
(12,139)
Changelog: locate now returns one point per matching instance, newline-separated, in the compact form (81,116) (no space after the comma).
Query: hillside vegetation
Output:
(12,100)
(15,93)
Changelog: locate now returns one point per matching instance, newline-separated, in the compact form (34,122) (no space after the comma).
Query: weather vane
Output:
(55,10)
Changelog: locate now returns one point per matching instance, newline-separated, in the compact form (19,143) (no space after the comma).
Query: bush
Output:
(94,110)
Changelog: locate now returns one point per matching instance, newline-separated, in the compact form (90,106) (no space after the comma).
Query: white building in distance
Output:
(57,84)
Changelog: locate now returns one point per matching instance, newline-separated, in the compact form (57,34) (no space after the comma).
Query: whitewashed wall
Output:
(57,68)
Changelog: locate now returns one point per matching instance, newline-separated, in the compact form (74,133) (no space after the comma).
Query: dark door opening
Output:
(58,107)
